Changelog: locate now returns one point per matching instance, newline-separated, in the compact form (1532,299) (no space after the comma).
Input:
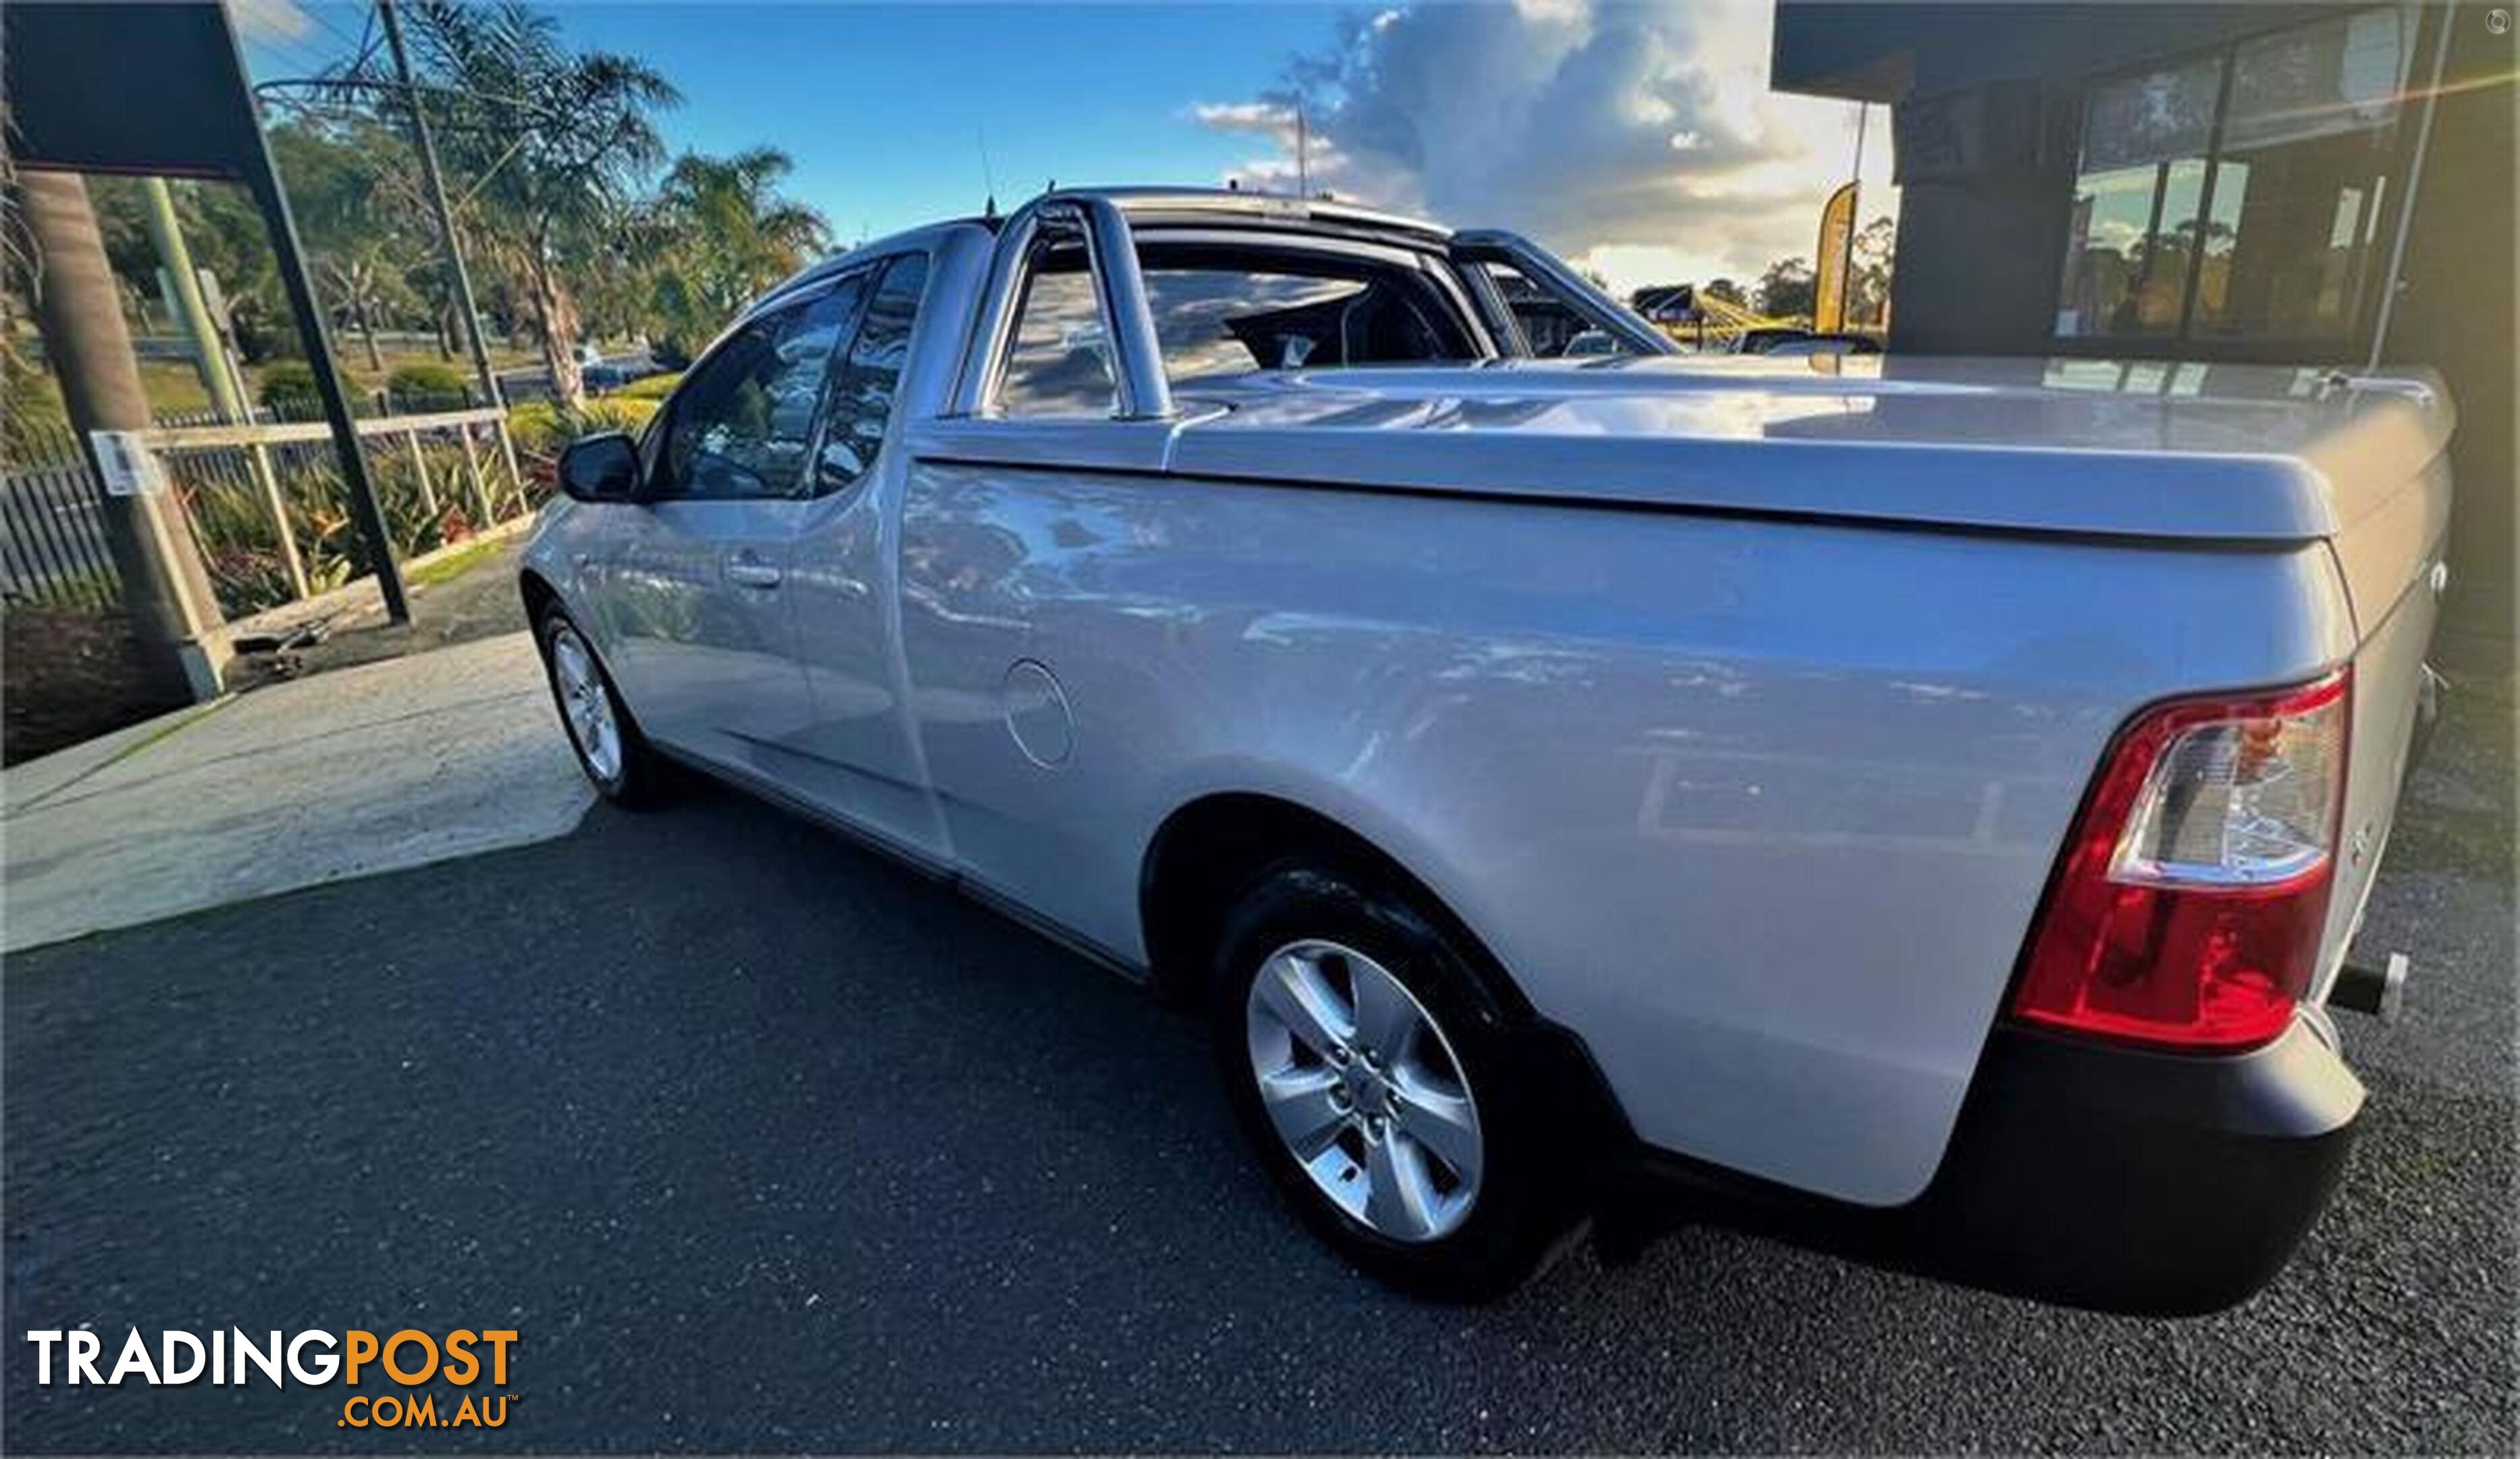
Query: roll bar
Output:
(1550,272)
(1111,256)
(1100,225)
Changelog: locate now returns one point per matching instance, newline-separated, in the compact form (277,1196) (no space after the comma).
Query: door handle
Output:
(751,572)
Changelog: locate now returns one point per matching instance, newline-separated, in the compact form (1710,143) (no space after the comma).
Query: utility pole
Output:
(80,315)
(457,273)
(184,291)
(183,294)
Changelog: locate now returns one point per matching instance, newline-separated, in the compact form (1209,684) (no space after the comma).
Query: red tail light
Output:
(2188,909)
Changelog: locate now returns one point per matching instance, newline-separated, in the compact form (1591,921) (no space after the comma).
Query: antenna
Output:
(988,175)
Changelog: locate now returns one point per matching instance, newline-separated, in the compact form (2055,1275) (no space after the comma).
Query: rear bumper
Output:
(2096,1176)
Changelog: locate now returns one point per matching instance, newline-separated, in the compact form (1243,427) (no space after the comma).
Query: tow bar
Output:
(2380,991)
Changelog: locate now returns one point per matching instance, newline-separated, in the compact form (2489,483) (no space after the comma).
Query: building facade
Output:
(2326,184)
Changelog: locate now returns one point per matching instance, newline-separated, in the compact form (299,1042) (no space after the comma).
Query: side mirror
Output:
(600,467)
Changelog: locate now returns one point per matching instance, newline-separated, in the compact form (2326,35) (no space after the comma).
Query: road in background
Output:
(762,1143)
(534,382)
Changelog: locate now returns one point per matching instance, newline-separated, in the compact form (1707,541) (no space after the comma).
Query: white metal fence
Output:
(265,502)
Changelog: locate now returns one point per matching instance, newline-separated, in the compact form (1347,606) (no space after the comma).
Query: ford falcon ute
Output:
(1920,805)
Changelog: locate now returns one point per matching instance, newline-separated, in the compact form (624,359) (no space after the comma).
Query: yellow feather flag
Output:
(1833,261)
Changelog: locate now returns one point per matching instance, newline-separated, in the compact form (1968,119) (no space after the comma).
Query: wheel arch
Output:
(539,597)
(1207,852)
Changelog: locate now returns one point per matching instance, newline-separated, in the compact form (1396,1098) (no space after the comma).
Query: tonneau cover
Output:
(2244,453)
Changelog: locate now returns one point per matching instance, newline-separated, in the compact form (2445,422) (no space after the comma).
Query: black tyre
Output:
(616,756)
(1373,1070)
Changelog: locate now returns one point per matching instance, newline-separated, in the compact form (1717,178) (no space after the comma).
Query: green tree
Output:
(358,210)
(724,234)
(1868,287)
(550,144)
(356,205)
(1785,289)
(225,233)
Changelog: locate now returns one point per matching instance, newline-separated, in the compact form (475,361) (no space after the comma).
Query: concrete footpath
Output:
(361,770)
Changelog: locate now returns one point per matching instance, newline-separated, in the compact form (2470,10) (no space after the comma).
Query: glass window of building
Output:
(2239,195)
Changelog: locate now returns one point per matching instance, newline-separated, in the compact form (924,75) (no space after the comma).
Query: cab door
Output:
(705,630)
(846,579)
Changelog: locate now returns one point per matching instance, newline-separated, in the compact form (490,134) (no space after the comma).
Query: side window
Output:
(740,427)
(1060,361)
(863,389)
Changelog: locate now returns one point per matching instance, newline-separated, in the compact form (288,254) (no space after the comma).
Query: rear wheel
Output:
(1371,1067)
(610,748)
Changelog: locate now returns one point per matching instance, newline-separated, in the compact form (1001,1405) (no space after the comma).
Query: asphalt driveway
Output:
(761,1143)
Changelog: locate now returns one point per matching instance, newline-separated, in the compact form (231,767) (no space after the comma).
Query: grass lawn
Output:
(455,563)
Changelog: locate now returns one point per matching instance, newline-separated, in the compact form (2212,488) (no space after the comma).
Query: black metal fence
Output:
(54,552)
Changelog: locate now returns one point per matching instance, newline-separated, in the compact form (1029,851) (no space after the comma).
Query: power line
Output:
(309,53)
(367,42)
(296,53)
(316,14)
(277,92)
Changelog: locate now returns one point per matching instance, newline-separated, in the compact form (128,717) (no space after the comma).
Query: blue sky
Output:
(883,108)
(1635,135)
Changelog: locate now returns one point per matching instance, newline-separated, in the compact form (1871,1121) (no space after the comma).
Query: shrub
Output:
(288,391)
(239,545)
(426,384)
(235,532)
(649,387)
(543,427)
(28,404)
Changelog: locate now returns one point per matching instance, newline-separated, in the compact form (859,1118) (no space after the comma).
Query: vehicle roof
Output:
(922,238)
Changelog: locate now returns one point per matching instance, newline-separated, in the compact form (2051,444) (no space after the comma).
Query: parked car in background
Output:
(612,372)
(1807,346)
(1928,806)
(1794,341)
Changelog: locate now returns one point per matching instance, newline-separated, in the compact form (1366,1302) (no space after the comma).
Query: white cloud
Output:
(1639,136)
(271,19)
(1245,117)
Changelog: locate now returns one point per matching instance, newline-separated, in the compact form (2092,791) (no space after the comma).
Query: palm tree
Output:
(546,144)
(723,235)
(359,209)
(359,287)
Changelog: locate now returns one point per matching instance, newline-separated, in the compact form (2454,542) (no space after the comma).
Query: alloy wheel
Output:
(587,704)
(1361,1084)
